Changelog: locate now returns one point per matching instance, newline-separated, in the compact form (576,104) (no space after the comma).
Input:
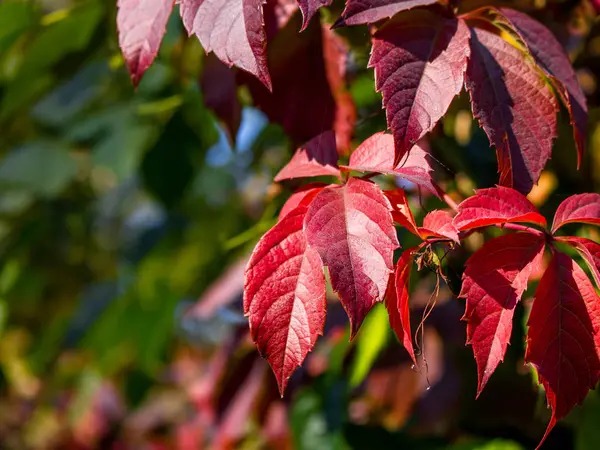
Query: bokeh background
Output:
(126,219)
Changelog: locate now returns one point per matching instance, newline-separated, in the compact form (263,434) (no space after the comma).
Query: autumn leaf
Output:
(396,301)
(142,25)
(495,206)
(376,154)
(233,30)
(318,157)
(401,213)
(584,208)
(563,339)
(514,106)
(439,224)
(493,282)
(284,296)
(351,227)
(370,11)
(553,59)
(309,8)
(420,60)
(589,251)
(304,194)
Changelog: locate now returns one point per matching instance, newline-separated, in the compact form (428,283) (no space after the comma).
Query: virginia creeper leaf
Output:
(142,25)
(589,251)
(233,30)
(583,208)
(396,301)
(284,296)
(563,338)
(309,93)
(493,282)
(317,157)
(309,9)
(495,206)
(420,60)
(552,58)
(439,224)
(401,212)
(351,228)
(303,195)
(514,106)
(376,154)
(370,11)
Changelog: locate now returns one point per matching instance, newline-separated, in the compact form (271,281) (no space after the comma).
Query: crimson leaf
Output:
(370,11)
(577,208)
(233,29)
(495,206)
(420,60)
(514,106)
(351,228)
(376,154)
(563,338)
(317,157)
(396,301)
(284,296)
(142,25)
(552,58)
(439,224)
(493,282)
(309,8)
(304,194)
(401,212)
(589,250)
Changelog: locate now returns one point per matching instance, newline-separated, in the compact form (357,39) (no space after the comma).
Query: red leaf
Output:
(583,208)
(369,11)
(142,25)
(401,212)
(351,228)
(419,60)
(496,206)
(233,29)
(514,106)
(316,158)
(284,296)
(220,93)
(439,224)
(396,301)
(303,195)
(309,9)
(309,87)
(563,338)
(493,282)
(552,58)
(376,154)
(589,251)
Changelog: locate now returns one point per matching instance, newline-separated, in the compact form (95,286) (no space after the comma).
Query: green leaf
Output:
(15,18)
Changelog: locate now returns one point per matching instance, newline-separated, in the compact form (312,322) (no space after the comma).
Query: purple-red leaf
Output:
(142,25)
(351,227)
(284,296)
(303,195)
(496,206)
(584,208)
(439,224)
(376,154)
(514,106)
(318,157)
(493,282)
(233,30)
(552,58)
(589,251)
(563,337)
(370,11)
(309,8)
(420,60)
(396,301)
